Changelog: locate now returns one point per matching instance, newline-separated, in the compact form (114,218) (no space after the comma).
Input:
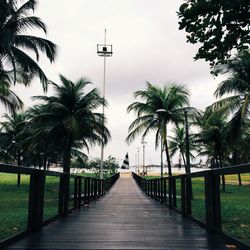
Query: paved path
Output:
(123,219)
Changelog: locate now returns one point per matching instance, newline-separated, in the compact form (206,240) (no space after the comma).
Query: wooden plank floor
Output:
(123,219)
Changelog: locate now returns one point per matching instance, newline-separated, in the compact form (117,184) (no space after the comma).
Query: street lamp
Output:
(187,143)
(104,50)
(138,159)
(143,152)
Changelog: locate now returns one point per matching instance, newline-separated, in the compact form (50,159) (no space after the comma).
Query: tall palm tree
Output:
(161,106)
(15,20)
(68,118)
(237,86)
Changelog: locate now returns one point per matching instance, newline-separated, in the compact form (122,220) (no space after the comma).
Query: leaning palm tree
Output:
(161,106)
(15,20)
(237,86)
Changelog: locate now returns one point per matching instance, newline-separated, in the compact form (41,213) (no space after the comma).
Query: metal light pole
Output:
(143,152)
(138,162)
(188,170)
(135,162)
(104,50)
(161,157)
(187,144)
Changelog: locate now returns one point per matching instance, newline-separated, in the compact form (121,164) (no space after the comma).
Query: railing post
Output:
(170,188)
(99,187)
(162,196)
(89,189)
(212,202)
(155,188)
(36,200)
(158,189)
(151,188)
(79,193)
(75,192)
(174,192)
(85,190)
(188,196)
(102,185)
(95,188)
(183,196)
(165,190)
(60,199)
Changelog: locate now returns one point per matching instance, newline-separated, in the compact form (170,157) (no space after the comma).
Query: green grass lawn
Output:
(235,205)
(13,205)
(14,201)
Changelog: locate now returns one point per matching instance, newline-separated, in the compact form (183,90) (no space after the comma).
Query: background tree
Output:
(220,26)
(177,144)
(214,136)
(170,100)
(110,166)
(11,143)
(237,90)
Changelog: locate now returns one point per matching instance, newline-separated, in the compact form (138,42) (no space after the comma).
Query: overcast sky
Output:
(147,46)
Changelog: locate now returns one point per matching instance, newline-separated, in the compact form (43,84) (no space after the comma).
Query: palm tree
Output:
(160,107)
(68,120)
(10,141)
(214,136)
(237,85)
(15,20)
(177,144)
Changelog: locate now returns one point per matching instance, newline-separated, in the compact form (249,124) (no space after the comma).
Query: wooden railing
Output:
(165,191)
(82,191)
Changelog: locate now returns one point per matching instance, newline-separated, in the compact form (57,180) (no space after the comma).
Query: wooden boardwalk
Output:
(123,219)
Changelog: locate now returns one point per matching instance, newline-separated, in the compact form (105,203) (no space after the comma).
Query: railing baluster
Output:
(212,202)
(75,192)
(79,193)
(36,200)
(174,192)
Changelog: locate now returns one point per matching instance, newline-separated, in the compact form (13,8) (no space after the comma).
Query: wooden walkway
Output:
(123,219)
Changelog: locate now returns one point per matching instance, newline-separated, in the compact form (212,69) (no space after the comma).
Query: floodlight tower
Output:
(104,50)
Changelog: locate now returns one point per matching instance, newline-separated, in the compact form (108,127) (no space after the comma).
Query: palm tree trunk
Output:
(239,178)
(66,170)
(19,164)
(44,161)
(222,176)
(165,143)
(184,162)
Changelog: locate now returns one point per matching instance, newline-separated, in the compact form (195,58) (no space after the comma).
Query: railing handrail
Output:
(236,169)
(16,169)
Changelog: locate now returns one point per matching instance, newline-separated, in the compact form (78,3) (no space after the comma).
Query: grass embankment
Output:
(235,204)
(14,201)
